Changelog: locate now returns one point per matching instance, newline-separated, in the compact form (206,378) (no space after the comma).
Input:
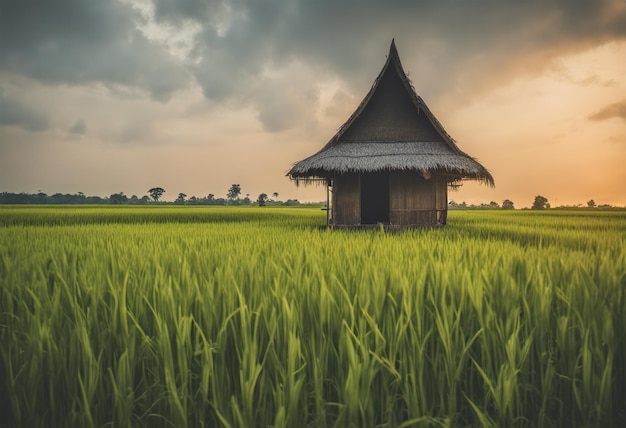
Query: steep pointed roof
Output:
(392,129)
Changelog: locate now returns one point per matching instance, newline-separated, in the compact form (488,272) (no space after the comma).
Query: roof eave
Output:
(320,176)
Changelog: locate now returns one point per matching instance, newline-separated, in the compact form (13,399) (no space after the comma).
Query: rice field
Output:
(260,317)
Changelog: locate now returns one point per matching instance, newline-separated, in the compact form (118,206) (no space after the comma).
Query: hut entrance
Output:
(375,197)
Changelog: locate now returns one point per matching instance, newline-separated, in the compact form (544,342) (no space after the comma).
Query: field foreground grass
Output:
(258,317)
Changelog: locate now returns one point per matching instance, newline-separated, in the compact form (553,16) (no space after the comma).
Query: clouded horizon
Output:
(115,96)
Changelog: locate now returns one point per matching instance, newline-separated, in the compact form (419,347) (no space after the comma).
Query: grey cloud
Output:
(447,47)
(13,112)
(343,35)
(79,128)
(79,42)
(615,110)
(293,106)
(441,43)
(202,11)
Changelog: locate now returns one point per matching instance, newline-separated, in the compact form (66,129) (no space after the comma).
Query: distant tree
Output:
(15,198)
(493,204)
(275,195)
(118,198)
(262,199)
(181,199)
(507,204)
(60,198)
(57,198)
(591,203)
(455,205)
(233,192)
(41,198)
(155,193)
(540,203)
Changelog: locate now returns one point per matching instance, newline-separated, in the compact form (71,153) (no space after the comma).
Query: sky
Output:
(102,97)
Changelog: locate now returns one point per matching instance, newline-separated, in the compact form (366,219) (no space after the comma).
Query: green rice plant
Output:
(242,316)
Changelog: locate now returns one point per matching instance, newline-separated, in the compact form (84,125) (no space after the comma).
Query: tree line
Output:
(506,205)
(540,203)
(233,197)
(152,196)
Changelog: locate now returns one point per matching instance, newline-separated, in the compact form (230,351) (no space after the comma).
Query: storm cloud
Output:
(79,42)
(442,43)
(454,46)
(240,42)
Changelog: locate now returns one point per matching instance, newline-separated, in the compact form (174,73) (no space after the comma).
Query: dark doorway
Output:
(375,197)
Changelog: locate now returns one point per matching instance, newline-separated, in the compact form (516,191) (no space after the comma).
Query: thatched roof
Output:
(392,129)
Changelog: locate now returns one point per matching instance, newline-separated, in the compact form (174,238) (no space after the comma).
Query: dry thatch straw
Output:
(392,129)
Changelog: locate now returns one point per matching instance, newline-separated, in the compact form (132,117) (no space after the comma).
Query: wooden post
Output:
(328,182)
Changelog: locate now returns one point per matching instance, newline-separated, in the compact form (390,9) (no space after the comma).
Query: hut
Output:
(391,162)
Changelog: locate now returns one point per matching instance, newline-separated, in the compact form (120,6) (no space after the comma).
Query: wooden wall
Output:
(441,199)
(416,201)
(346,200)
(413,200)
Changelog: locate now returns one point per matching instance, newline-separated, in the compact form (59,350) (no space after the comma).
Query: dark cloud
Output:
(79,128)
(14,112)
(203,11)
(451,47)
(79,42)
(611,111)
(446,44)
